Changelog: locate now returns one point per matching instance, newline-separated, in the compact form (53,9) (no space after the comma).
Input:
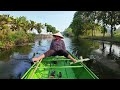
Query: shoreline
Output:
(43,36)
(103,39)
(12,46)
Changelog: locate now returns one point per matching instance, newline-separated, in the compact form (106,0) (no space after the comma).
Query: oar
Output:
(36,68)
(81,60)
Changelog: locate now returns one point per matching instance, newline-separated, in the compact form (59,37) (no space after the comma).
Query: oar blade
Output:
(82,60)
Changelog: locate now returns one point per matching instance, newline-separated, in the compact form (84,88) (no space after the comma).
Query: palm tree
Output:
(32,25)
(38,27)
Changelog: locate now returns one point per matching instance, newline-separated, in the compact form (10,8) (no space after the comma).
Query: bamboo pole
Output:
(36,68)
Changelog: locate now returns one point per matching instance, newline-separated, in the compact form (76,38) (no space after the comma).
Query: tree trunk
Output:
(86,31)
(103,48)
(111,31)
(31,29)
(111,26)
(110,50)
(103,33)
(92,32)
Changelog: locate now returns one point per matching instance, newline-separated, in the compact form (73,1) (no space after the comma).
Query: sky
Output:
(59,19)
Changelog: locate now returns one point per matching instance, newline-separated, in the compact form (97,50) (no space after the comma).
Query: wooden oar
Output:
(81,60)
(36,68)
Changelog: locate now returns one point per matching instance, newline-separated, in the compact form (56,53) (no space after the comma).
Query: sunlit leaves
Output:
(109,18)
(50,28)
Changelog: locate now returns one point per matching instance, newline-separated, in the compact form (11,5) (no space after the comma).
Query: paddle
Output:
(81,60)
(36,68)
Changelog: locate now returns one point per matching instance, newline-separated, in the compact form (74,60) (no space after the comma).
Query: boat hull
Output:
(59,67)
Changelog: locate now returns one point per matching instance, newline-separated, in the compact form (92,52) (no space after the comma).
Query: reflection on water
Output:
(5,55)
(107,59)
(12,68)
(83,47)
(105,62)
(15,67)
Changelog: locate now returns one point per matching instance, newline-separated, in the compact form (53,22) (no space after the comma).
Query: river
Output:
(105,61)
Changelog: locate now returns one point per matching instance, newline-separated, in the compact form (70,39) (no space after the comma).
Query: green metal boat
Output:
(59,67)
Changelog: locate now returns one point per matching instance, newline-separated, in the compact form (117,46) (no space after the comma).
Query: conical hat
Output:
(58,34)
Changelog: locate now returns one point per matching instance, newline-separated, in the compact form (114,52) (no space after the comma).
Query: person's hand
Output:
(74,61)
(35,59)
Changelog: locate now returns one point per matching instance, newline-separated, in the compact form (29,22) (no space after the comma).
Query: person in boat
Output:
(57,47)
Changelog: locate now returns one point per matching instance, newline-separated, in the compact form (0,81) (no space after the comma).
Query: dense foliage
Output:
(14,31)
(94,22)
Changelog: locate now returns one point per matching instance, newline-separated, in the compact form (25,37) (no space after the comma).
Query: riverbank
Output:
(115,40)
(21,40)
(9,46)
(17,38)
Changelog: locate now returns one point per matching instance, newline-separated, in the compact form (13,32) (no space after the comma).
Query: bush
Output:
(15,38)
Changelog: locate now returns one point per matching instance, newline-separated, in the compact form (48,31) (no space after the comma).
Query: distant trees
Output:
(50,28)
(68,32)
(38,27)
(84,21)
(13,31)
(7,22)
(109,18)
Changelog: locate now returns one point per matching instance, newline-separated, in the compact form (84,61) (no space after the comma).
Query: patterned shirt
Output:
(57,45)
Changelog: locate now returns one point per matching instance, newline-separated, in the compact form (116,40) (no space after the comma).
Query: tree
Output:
(68,32)
(110,18)
(76,25)
(32,24)
(83,21)
(50,28)
(38,27)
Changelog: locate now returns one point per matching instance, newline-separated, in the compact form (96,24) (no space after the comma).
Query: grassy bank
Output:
(15,38)
(115,39)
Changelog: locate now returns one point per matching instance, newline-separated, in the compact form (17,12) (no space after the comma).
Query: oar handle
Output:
(81,60)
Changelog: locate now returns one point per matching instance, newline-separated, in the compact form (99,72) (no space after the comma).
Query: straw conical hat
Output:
(58,34)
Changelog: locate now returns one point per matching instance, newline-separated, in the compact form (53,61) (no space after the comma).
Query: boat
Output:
(59,67)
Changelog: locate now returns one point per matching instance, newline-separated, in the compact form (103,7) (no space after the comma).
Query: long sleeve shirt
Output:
(57,45)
